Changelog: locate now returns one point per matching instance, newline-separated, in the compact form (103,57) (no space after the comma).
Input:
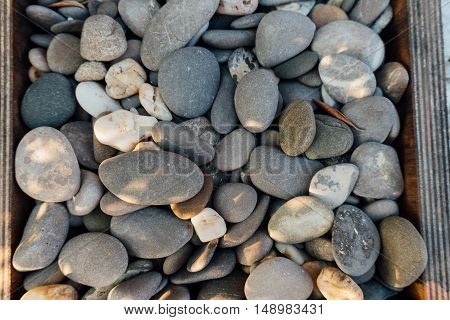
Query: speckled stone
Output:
(256,112)
(237,7)
(79,134)
(241,62)
(297,128)
(346,78)
(89,195)
(254,249)
(350,38)
(102,39)
(248,21)
(223,114)
(189,80)
(277,37)
(297,66)
(403,256)
(380,175)
(202,256)
(336,285)
(380,209)
(229,39)
(230,287)
(393,79)
(333,138)
(63,54)
(293,90)
(46,166)
(44,17)
(162,177)
(91,71)
(49,101)
(300,219)
(220,266)
(177,260)
(79,261)
(323,14)
(279,175)
(51,292)
(367,11)
(172,27)
(45,233)
(233,151)
(356,242)
(235,201)
(141,287)
(151,233)
(278,279)
(137,14)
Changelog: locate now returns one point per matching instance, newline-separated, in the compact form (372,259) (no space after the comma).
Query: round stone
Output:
(279,175)
(235,201)
(350,38)
(346,78)
(297,66)
(63,54)
(230,287)
(333,138)
(277,37)
(79,134)
(46,166)
(256,100)
(91,71)
(336,285)
(51,292)
(89,195)
(320,249)
(41,39)
(380,175)
(375,115)
(113,206)
(278,279)
(49,101)
(393,79)
(151,233)
(189,80)
(124,79)
(177,260)
(202,127)
(254,249)
(300,219)
(380,209)
(248,21)
(45,232)
(367,11)
(297,128)
(171,28)
(102,39)
(403,255)
(223,114)
(137,14)
(323,14)
(237,7)
(241,62)
(233,151)
(151,177)
(229,39)
(141,287)
(93,98)
(356,242)
(79,261)
(43,16)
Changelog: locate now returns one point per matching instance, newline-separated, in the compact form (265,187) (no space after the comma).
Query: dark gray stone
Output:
(69,26)
(74,12)
(43,16)
(293,90)
(233,151)
(229,39)
(141,287)
(223,114)
(41,39)
(80,135)
(297,66)
(230,287)
(137,14)
(202,256)
(222,56)
(311,79)
(373,290)
(97,221)
(380,209)
(235,201)
(177,260)
(248,21)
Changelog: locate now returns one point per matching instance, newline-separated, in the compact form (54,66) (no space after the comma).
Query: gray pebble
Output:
(43,277)
(69,26)
(41,39)
(44,233)
(89,195)
(130,102)
(293,90)
(222,56)
(323,14)
(109,8)
(223,114)
(320,249)
(141,287)
(367,11)
(273,2)
(79,134)
(380,209)
(233,151)
(279,175)
(137,14)
(297,66)
(311,78)
(79,261)
(196,38)
(202,256)
(277,37)
(254,249)
(229,39)
(383,20)
(235,201)
(113,206)
(74,12)
(202,127)
(365,277)
(153,78)
(151,233)
(189,80)
(248,21)
(43,16)
(177,260)
(97,221)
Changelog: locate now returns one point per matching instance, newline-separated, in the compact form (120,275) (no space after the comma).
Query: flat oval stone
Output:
(151,233)
(374,114)
(300,219)
(334,184)
(141,287)
(403,255)
(350,38)
(367,11)
(241,62)
(336,285)
(45,232)
(202,127)
(356,242)
(49,101)
(102,39)
(41,39)
(254,249)
(124,79)
(89,195)
(189,79)
(177,260)
(333,138)
(279,175)
(323,14)
(63,54)
(79,261)
(235,201)
(229,39)
(43,16)
(51,292)
(393,79)
(346,78)
(46,166)
(79,134)
(297,66)
(93,98)
(240,232)
(248,21)
(320,249)
(182,140)
(38,59)
(380,209)
(220,266)
(151,177)
(91,71)
(297,128)
(74,27)
(293,90)
(282,35)
(380,175)
(237,7)
(278,279)
(172,27)
(223,114)
(173,292)
(137,14)
(97,221)
(230,287)
(113,206)
(202,256)
(257,111)
(46,276)
(233,151)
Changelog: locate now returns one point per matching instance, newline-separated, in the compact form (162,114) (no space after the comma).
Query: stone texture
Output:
(323,14)
(173,292)
(90,71)
(297,66)
(241,62)
(113,206)
(233,151)
(177,260)
(235,201)
(151,99)
(237,7)
(202,256)
(380,209)
(293,90)
(79,134)
(38,59)
(43,16)
(230,287)
(208,225)
(248,21)
(93,98)
(314,268)
(97,221)
(320,249)
(229,39)
(48,275)
(223,114)
(141,287)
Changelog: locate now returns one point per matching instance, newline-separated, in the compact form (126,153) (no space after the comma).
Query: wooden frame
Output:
(423,144)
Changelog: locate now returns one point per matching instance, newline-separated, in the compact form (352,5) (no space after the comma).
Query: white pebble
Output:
(151,100)
(209,225)
(93,98)
(292,253)
(124,79)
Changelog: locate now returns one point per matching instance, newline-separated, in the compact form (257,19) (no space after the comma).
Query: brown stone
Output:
(51,292)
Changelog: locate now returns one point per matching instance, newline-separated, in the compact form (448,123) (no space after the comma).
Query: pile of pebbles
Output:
(206,149)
